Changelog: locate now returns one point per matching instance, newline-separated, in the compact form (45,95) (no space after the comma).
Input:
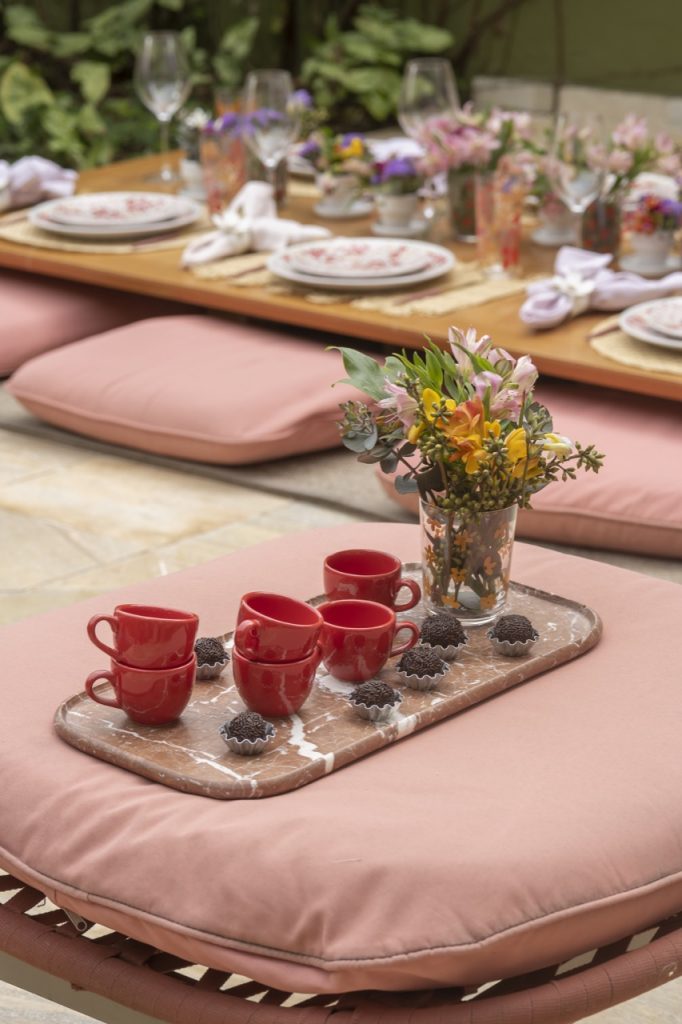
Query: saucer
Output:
(358,208)
(632,264)
(417,227)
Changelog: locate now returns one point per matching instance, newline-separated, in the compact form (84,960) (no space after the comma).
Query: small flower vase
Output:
(650,252)
(339,192)
(466,561)
(601,226)
(462,193)
(557,225)
(396,212)
(499,205)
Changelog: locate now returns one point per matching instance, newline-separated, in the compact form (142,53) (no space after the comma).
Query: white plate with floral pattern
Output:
(40,218)
(359,257)
(439,261)
(663,316)
(116,209)
(635,323)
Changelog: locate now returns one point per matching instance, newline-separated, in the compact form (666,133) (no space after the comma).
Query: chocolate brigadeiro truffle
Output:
(513,628)
(421,661)
(211,657)
(209,650)
(443,630)
(247,733)
(248,725)
(375,693)
(375,700)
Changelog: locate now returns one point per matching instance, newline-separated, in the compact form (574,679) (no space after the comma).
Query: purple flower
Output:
(310,150)
(301,98)
(349,137)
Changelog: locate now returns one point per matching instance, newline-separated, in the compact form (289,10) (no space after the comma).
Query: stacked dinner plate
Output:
(110,215)
(361,264)
(658,322)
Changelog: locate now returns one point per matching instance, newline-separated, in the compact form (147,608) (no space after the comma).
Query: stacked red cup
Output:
(360,624)
(276,652)
(152,662)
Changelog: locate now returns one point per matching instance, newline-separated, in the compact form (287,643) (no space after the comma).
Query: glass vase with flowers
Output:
(474,444)
(395,184)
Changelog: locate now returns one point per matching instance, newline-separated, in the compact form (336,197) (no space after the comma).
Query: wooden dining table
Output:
(563,352)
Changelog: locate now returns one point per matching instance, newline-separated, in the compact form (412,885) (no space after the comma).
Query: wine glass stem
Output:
(166,173)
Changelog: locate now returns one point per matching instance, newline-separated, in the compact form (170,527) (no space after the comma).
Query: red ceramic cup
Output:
(271,627)
(274,689)
(357,638)
(149,696)
(148,637)
(366,575)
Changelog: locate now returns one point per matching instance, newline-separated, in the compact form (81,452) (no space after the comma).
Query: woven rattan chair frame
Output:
(163,987)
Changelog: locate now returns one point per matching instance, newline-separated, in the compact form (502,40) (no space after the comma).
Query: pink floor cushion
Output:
(635,503)
(195,387)
(38,314)
(535,826)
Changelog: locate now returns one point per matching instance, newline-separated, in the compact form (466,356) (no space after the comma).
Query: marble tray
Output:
(327,734)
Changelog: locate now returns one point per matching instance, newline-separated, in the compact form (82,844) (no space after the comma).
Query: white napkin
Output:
(397,146)
(32,179)
(583,281)
(249,224)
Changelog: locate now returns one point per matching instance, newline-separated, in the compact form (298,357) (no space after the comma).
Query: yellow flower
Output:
(353,148)
(517,453)
(431,402)
(558,444)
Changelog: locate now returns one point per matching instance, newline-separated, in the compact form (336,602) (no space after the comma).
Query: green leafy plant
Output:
(356,74)
(69,95)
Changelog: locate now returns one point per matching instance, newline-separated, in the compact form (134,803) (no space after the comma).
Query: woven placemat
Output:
(464,286)
(609,340)
(23,233)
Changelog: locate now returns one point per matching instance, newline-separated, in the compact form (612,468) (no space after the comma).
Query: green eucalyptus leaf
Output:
(22,89)
(406,485)
(93,77)
(363,372)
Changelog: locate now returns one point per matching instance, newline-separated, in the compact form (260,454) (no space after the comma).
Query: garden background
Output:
(66,65)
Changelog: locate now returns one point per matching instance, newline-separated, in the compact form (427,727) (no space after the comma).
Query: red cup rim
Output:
(238,656)
(369,553)
(121,665)
(387,614)
(249,603)
(145,612)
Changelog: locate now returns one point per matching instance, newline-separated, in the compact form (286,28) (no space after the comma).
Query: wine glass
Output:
(428,91)
(578,157)
(162,81)
(272,121)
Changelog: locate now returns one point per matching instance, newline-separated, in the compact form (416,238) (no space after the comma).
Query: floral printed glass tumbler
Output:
(467,435)
(222,160)
(499,206)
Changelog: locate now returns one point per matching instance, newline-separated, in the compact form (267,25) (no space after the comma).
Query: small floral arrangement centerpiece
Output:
(476,447)
(652,222)
(343,164)
(484,153)
(396,183)
(630,150)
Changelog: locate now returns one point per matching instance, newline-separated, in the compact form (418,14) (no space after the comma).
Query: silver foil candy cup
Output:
(376,712)
(247,748)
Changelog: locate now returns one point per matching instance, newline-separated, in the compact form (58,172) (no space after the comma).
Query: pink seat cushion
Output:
(39,314)
(538,825)
(196,387)
(635,503)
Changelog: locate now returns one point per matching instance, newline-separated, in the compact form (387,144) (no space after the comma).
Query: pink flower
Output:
(524,375)
(669,165)
(664,143)
(632,132)
(597,156)
(488,383)
(620,161)
(400,404)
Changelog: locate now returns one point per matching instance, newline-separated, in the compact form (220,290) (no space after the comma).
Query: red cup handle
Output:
(90,682)
(415,591)
(92,632)
(414,636)
(246,636)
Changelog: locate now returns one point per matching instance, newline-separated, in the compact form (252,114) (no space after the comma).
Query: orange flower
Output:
(458,575)
(488,601)
(450,601)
